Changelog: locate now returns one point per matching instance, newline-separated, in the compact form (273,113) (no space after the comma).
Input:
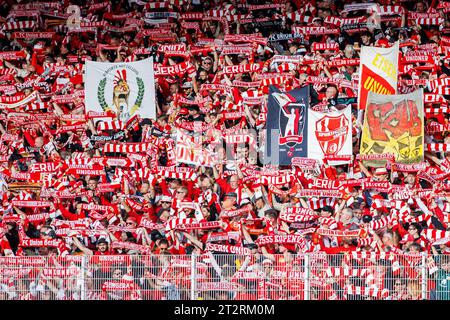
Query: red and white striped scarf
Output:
(437,147)
(373,292)
(127,147)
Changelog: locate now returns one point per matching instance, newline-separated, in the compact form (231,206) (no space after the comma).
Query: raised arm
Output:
(80,246)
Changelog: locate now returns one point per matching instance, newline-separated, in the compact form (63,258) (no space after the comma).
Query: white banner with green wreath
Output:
(125,88)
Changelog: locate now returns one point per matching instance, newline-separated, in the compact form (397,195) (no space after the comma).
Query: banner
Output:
(125,88)
(287,117)
(394,124)
(189,150)
(330,134)
(378,72)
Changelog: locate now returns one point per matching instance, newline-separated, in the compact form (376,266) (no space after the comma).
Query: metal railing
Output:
(314,276)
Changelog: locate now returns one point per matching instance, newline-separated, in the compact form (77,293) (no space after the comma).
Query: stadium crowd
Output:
(149,203)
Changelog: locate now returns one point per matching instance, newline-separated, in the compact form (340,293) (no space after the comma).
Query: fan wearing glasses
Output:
(164,203)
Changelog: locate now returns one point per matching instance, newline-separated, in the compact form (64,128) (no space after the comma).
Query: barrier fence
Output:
(315,276)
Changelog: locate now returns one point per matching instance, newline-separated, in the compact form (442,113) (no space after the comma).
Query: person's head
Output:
(47,232)
(205,183)
(259,202)
(131,222)
(346,215)
(181,193)
(388,238)
(39,142)
(350,69)
(414,229)
(271,215)
(212,27)
(326,211)
(331,92)
(63,49)
(163,215)
(381,174)
(187,88)
(317,22)
(123,236)
(163,245)
(11,226)
(211,117)
(414,248)
(207,63)
(145,186)
(346,241)
(162,120)
(357,212)
(203,76)
(102,245)
(445,262)
(193,110)
(229,201)
(174,183)
(349,51)
(410,178)
(165,202)
(399,284)
(117,273)
(60,60)
(92,184)
(421,7)
(267,265)
(293,48)
(234,181)
(174,88)
(365,38)
(242,151)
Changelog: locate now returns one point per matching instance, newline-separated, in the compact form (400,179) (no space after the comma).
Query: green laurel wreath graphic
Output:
(140,96)
(101,95)
(137,103)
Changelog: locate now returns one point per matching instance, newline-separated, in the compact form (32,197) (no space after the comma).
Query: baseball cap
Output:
(102,240)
